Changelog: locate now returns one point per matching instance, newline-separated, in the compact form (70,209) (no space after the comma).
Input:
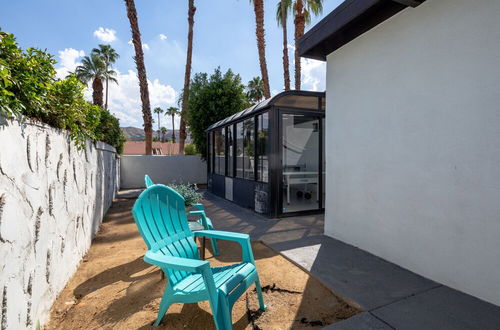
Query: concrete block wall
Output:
(162,169)
(52,200)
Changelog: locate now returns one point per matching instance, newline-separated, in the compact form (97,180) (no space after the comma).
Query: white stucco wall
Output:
(413,140)
(52,200)
(162,169)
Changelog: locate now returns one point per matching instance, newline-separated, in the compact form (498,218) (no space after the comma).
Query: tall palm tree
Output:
(163,133)
(283,8)
(109,56)
(141,72)
(258,7)
(158,111)
(302,10)
(93,69)
(187,78)
(255,90)
(173,111)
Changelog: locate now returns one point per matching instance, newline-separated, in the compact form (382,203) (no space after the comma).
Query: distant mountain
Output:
(137,134)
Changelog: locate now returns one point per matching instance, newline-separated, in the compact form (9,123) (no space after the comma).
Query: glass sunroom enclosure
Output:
(269,157)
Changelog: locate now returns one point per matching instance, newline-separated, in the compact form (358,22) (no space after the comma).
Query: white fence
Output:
(162,169)
(52,200)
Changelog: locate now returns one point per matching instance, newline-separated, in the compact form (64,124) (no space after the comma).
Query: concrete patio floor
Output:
(392,297)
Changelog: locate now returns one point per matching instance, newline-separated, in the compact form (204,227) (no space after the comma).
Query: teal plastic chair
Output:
(160,215)
(203,219)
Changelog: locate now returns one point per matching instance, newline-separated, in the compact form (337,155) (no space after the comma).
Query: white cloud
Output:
(130,42)
(162,36)
(68,61)
(125,101)
(105,34)
(145,46)
(313,74)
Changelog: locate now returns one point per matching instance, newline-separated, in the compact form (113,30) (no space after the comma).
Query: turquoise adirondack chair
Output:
(160,215)
(203,220)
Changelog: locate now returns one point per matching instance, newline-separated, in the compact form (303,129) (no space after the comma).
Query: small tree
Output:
(255,90)
(163,133)
(158,111)
(172,111)
(212,98)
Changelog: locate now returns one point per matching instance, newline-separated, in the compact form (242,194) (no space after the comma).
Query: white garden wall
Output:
(413,140)
(162,169)
(52,200)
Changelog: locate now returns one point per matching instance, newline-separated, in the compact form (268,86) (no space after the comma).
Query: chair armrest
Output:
(199,206)
(225,235)
(242,239)
(202,216)
(185,264)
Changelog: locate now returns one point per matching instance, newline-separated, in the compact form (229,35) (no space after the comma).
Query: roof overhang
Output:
(348,21)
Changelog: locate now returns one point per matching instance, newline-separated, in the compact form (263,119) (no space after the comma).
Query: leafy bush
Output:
(28,87)
(190,149)
(212,99)
(191,196)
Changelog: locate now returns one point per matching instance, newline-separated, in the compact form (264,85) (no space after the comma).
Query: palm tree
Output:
(163,133)
(109,56)
(258,7)
(187,78)
(282,10)
(255,90)
(158,111)
(173,111)
(93,69)
(302,10)
(141,72)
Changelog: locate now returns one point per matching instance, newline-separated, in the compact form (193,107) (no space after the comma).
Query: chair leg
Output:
(214,247)
(262,306)
(213,241)
(164,305)
(222,316)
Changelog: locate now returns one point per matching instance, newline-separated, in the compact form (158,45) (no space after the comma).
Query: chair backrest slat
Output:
(160,215)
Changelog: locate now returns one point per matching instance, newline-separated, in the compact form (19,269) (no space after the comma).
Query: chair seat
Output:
(226,279)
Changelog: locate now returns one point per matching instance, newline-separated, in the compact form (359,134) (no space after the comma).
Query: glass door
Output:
(300,151)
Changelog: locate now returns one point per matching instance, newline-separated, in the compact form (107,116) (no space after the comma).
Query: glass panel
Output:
(300,152)
(248,151)
(262,140)
(230,151)
(239,149)
(298,101)
(219,152)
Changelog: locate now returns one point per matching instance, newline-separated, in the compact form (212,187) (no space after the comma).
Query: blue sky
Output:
(224,35)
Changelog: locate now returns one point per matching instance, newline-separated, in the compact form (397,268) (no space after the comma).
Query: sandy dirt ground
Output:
(114,288)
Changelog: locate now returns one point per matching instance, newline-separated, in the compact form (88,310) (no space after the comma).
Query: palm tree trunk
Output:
(173,130)
(258,6)
(187,78)
(159,126)
(97,92)
(141,72)
(286,64)
(107,82)
(299,32)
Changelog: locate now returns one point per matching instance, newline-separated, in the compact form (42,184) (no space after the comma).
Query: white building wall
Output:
(52,200)
(162,169)
(413,140)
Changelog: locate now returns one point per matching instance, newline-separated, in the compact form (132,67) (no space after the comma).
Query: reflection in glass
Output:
(230,150)
(262,140)
(300,162)
(219,152)
(248,151)
(239,149)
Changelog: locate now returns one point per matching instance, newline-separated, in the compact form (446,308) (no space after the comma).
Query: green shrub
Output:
(28,87)
(190,149)
(191,196)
